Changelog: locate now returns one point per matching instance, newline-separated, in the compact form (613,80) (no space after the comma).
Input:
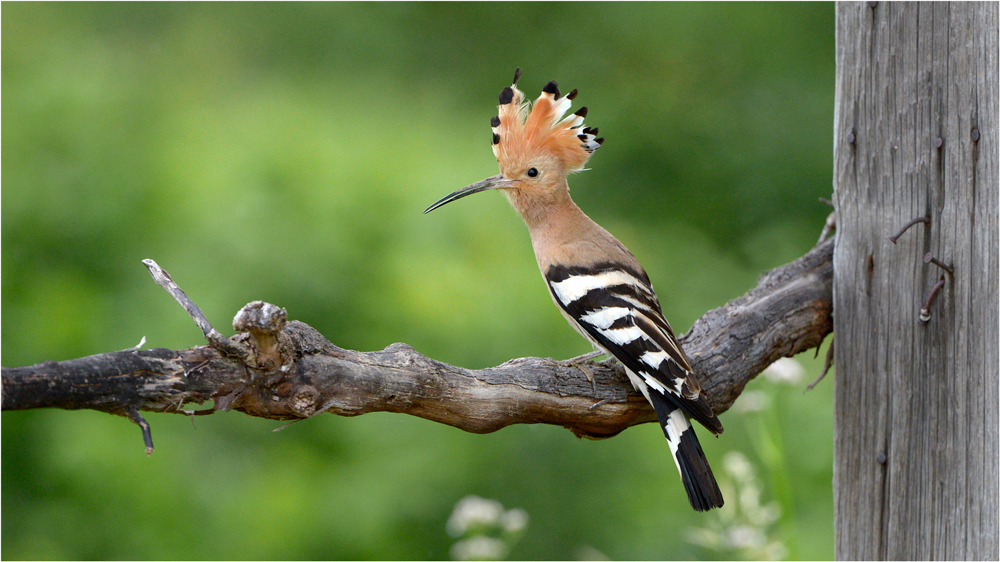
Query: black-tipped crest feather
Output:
(506,95)
(522,129)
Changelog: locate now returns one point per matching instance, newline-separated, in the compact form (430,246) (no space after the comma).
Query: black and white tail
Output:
(699,482)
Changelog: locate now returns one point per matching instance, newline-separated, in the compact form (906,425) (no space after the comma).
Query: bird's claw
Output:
(580,362)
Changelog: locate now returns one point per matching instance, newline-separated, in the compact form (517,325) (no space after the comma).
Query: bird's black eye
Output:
(532,172)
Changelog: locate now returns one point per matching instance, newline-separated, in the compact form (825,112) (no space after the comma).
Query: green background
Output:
(284,152)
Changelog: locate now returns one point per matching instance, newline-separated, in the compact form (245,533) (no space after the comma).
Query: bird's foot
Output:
(580,362)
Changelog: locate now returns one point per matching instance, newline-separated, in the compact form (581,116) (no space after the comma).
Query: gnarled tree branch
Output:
(292,372)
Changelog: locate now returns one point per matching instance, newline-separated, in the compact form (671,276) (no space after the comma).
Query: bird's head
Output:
(535,146)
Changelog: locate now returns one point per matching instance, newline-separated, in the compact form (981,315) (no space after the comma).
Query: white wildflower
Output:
(774,550)
(707,538)
(750,499)
(515,520)
(473,512)
(785,370)
(738,466)
(743,528)
(745,537)
(752,401)
(479,547)
(485,530)
(768,514)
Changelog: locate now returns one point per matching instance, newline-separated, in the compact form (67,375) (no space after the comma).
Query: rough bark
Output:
(289,371)
(915,137)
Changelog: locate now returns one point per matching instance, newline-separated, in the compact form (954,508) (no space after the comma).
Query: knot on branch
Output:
(303,401)
(265,323)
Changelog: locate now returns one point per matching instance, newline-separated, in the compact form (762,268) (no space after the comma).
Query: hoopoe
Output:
(595,281)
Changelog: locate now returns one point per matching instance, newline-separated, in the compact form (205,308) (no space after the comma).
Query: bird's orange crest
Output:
(522,132)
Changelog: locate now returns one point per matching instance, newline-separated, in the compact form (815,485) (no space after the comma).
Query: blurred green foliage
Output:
(285,152)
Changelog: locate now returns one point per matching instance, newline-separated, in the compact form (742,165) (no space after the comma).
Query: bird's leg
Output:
(580,361)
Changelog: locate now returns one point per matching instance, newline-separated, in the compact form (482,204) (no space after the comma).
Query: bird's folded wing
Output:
(617,307)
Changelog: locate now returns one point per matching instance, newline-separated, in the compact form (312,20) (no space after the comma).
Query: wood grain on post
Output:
(916,442)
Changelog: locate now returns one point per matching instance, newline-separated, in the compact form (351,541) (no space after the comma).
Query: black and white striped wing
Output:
(616,309)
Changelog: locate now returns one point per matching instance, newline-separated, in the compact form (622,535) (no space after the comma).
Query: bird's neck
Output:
(545,211)
(560,231)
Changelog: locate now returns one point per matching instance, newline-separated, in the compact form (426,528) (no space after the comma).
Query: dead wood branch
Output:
(291,372)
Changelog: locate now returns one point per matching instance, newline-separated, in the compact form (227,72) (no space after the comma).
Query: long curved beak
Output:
(492,182)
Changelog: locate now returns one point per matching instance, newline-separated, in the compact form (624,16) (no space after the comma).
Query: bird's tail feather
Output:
(699,482)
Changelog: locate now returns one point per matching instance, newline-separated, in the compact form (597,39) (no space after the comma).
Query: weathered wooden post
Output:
(916,444)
